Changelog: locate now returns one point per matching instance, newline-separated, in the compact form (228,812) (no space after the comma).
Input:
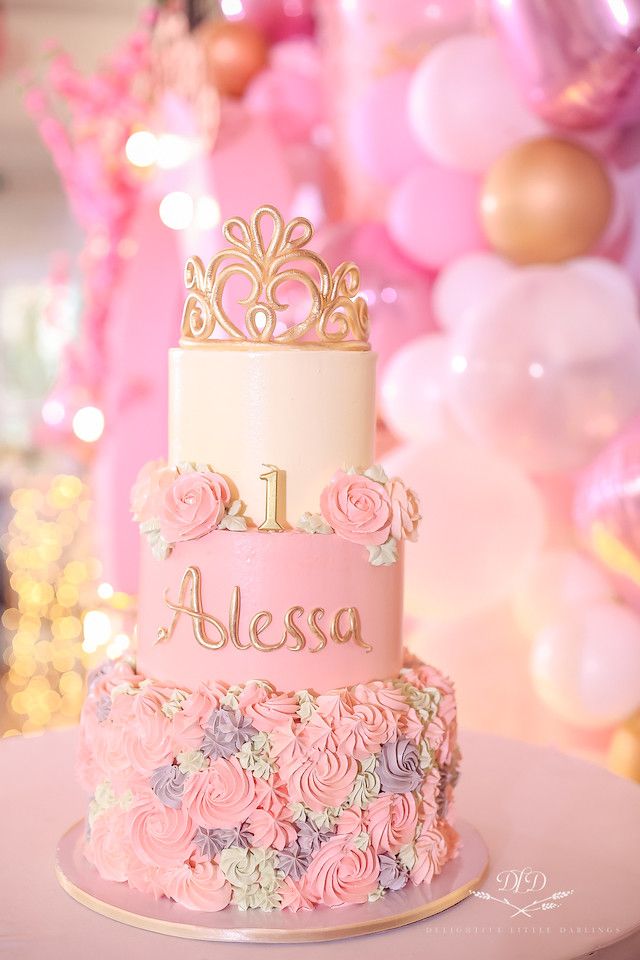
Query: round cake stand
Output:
(119,902)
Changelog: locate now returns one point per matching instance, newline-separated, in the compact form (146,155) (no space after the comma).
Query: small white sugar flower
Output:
(232,520)
(376,472)
(383,555)
(313,523)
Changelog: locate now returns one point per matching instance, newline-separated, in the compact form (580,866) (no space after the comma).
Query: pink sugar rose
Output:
(434,733)
(160,836)
(373,726)
(197,886)
(192,506)
(272,795)
(430,677)
(224,795)
(187,725)
(359,509)
(87,767)
(102,683)
(323,779)
(405,510)
(391,821)
(447,707)
(146,879)
(109,848)
(410,725)
(382,694)
(266,709)
(270,830)
(154,477)
(429,796)
(446,749)
(341,873)
(331,726)
(431,855)
(452,838)
(289,746)
(143,701)
(149,745)
(351,823)
(142,728)
(112,758)
(320,732)
(354,728)
(294,895)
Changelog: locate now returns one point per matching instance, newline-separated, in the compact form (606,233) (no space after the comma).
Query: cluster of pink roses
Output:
(365,508)
(186,505)
(324,788)
(370,509)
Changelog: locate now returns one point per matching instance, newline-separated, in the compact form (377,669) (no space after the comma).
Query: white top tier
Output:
(306,410)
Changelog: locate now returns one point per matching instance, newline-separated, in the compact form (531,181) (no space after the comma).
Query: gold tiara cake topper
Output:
(274,264)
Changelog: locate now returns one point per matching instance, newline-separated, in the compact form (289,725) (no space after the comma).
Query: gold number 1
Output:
(271,502)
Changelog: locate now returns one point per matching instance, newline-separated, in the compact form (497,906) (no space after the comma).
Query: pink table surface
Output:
(536,808)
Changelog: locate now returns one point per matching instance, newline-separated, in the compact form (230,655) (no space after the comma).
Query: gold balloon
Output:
(234,53)
(624,750)
(545,201)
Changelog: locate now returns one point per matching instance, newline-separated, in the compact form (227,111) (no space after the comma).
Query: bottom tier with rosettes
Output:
(249,796)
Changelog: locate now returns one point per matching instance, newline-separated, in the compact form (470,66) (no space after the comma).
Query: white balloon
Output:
(482,525)
(559,581)
(414,387)
(613,278)
(464,106)
(465,284)
(586,666)
(548,370)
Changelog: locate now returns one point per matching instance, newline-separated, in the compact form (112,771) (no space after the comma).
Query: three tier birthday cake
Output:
(270,747)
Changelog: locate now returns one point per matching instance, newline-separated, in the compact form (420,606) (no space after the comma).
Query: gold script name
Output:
(212,633)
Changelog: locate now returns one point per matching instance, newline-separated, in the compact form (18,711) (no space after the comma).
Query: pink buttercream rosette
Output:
(265,799)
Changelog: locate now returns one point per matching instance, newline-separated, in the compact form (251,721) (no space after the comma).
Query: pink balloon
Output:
(607,510)
(232,174)
(433,215)
(560,581)
(586,666)
(465,284)
(277,19)
(612,277)
(288,92)
(577,64)
(414,387)
(381,138)
(548,370)
(397,293)
(464,106)
(483,522)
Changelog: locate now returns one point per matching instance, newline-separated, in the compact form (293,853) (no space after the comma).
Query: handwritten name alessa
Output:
(212,633)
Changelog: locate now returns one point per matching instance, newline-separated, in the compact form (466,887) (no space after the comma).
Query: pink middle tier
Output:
(273,572)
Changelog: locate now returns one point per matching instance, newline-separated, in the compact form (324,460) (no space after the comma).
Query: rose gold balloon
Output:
(234,54)
(545,201)
(623,756)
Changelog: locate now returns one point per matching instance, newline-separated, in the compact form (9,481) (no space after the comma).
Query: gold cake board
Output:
(119,902)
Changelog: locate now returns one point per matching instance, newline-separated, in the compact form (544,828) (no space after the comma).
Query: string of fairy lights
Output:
(61,619)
